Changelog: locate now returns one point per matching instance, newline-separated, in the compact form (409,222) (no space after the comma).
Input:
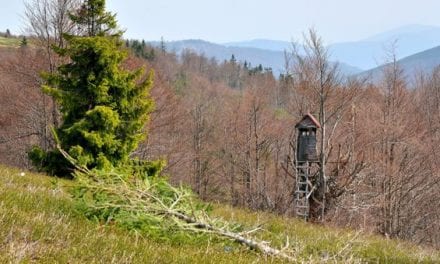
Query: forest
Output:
(227,128)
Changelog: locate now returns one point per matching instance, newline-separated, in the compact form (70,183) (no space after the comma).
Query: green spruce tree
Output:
(23,42)
(104,107)
(92,19)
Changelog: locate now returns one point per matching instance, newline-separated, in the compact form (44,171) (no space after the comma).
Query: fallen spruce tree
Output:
(134,200)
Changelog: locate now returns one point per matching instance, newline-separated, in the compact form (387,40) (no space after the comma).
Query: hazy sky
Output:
(234,20)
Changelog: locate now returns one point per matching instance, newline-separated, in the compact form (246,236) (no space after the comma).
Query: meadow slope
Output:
(39,224)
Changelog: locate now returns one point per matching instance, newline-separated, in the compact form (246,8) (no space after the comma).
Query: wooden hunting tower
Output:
(306,163)
(306,141)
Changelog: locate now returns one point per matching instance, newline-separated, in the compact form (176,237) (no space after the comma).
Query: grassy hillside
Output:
(38,223)
(9,42)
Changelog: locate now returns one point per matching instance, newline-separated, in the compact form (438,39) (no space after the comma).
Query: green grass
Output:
(9,42)
(39,224)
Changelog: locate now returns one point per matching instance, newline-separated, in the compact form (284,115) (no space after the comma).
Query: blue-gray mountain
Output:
(422,62)
(353,57)
(265,44)
(369,52)
(273,59)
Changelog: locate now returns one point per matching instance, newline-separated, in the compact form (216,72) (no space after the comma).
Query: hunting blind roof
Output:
(308,121)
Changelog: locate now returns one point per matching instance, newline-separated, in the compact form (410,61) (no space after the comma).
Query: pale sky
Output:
(236,20)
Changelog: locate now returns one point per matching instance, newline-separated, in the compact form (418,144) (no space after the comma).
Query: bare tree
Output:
(47,21)
(25,104)
(319,85)
(202,109)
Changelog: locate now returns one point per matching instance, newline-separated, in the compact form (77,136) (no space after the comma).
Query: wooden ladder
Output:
(302,190)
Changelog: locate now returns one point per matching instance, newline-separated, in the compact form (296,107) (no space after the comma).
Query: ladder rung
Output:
(302,192)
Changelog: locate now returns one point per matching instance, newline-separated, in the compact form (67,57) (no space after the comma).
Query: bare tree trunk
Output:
(322,159)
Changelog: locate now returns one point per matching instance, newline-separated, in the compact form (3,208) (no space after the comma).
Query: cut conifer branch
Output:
(145,199)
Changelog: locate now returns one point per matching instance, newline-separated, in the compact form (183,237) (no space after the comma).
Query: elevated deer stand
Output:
(306,164)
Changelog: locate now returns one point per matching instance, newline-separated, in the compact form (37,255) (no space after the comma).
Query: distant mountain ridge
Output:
(407,30)
(424,61)
(367,53)
(266,44)
(353,57)
(255,56)
(371,52)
